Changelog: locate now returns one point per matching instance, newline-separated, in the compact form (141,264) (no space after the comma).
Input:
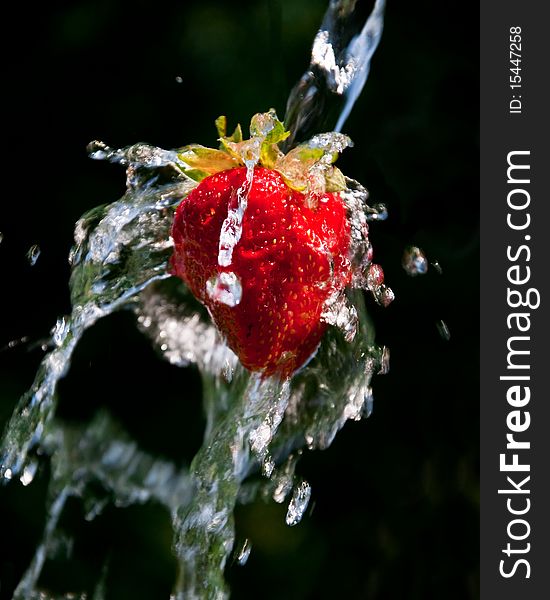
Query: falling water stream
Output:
(120,260)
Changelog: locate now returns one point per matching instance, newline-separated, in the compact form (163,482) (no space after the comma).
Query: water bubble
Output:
(244,552)
(225,288)
(33,254)
(298,503)
(414,261)
(443,330)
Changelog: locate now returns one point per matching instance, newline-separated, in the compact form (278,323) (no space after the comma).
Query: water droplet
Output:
(377,212)
(60,331)
(338,311)
(284,479)
(144,321)
(33,254)
(244,552)
(375,283)
(179,79)
(137,155)
(225,288)
(232,226)
(414,261)
(385,295)
(437,267)
(268,465)
(28,473)
(298,503)
(368,405)
(385,361)
(17,342)
(227,370)
(375,276)
(443,330)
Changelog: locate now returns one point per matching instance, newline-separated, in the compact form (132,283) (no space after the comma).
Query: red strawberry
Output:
(288,260)
(285,240)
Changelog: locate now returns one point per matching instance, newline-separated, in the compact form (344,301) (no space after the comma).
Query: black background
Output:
(396,498)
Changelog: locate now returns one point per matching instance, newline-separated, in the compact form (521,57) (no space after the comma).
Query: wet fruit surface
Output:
(289,259)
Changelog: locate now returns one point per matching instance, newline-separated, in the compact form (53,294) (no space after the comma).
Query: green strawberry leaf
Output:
(200,161)
(334,180)
(221,125)
(308,167)
(271,131)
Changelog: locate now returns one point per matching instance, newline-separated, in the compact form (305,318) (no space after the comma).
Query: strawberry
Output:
(264,246)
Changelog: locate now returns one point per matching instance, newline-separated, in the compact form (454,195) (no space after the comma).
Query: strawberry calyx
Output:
(307,168)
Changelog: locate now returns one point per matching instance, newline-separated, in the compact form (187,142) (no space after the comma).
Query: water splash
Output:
(443,329)
(298,503)
(340,64)
(120,261)
(244,552)
(338,311)
(33,254)
(225,288)
(375,283)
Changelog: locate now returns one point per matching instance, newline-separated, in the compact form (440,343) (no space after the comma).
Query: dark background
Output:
(396,498)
